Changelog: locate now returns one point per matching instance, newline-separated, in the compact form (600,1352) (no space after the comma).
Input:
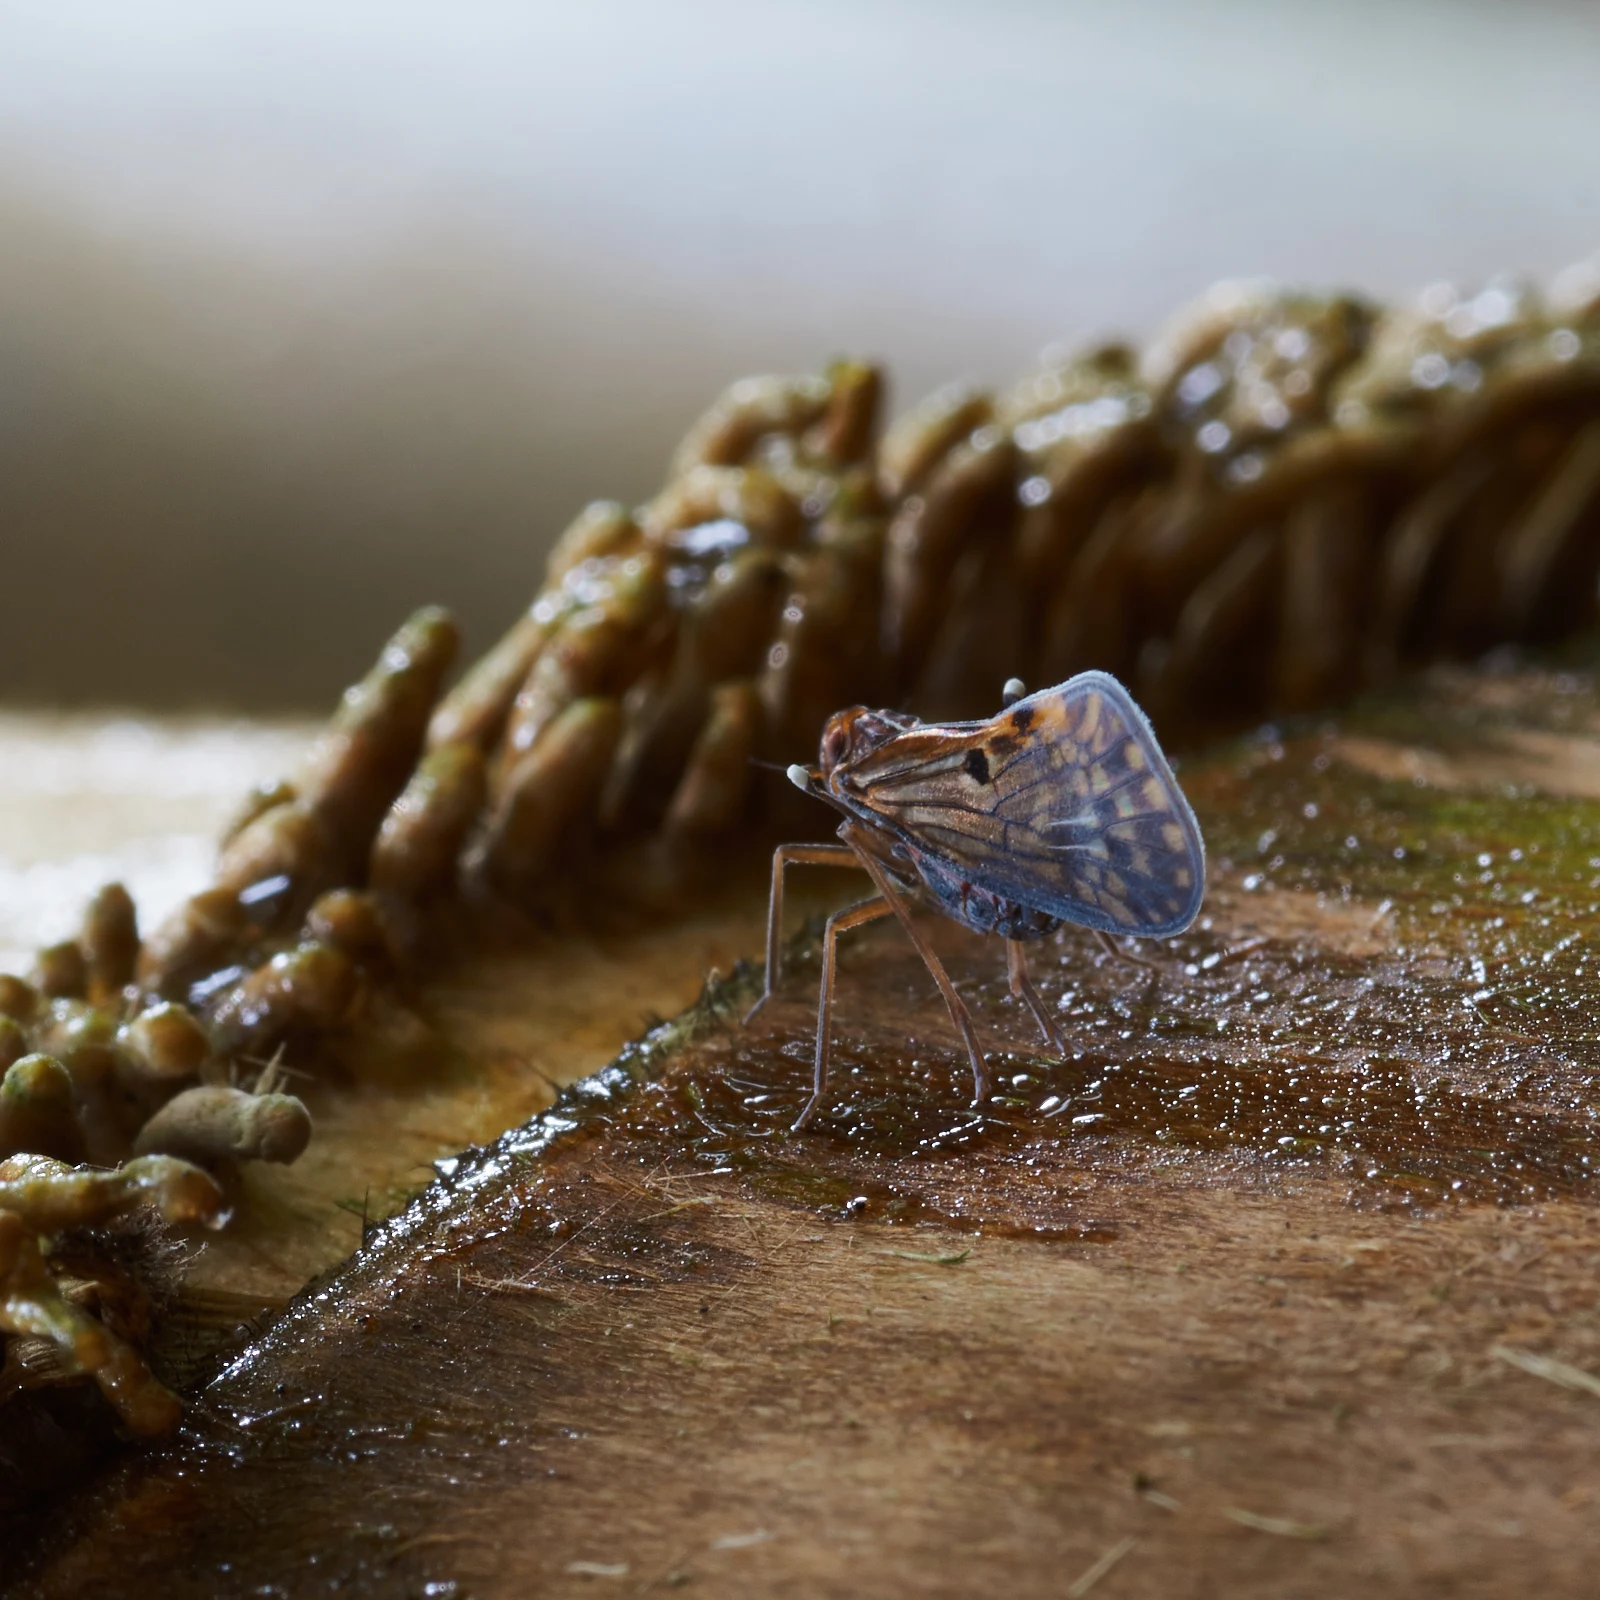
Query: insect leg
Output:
(1023,989)
(840,922)
(810,855)
(957,1006)
(1117,953)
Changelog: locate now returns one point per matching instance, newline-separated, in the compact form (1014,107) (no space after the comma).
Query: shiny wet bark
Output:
(1286,1274)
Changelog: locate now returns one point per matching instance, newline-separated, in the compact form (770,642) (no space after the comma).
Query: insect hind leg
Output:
(1022,987)
(1117,953)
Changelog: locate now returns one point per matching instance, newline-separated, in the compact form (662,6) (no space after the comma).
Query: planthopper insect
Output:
(1060,809)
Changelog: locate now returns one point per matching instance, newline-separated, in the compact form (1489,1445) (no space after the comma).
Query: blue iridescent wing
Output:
(1063,803)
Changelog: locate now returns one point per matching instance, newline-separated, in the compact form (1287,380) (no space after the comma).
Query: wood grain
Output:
(1286,1275)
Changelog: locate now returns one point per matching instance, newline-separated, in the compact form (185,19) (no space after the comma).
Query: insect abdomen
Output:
(979,909)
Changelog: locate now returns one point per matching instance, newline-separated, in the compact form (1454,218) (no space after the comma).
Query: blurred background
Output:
(311,312)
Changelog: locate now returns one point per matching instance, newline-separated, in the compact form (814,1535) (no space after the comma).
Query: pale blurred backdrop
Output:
(310,312)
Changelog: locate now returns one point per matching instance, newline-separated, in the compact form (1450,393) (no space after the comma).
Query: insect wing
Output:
(1063,803)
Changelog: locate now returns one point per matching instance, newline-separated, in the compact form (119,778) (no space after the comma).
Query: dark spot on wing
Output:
(977,766)
(1002,746)
(1022,718)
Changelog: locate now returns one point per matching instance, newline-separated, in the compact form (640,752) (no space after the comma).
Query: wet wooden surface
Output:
(1283,1282)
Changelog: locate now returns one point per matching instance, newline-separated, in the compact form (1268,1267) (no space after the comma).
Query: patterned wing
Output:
(1064,803)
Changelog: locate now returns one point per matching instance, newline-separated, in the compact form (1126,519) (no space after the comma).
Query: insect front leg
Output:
(808,855)
(1022,987)
(855,916)
(955,1004)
